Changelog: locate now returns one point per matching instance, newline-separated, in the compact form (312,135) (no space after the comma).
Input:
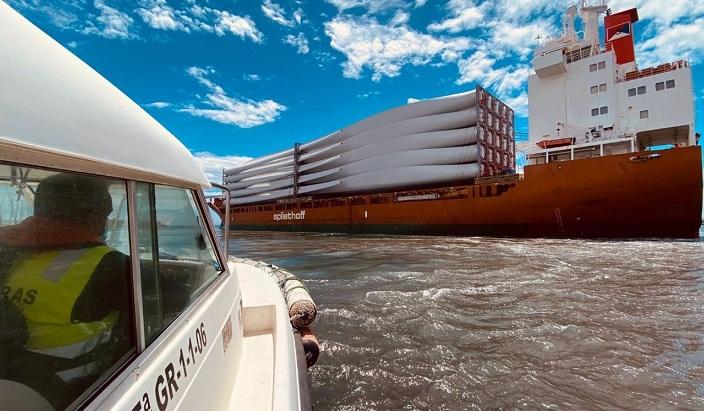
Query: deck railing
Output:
(650,71)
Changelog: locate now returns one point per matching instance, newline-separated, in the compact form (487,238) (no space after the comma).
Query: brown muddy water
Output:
(483,323)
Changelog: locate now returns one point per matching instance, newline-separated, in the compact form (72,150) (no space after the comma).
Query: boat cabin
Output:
(115,291)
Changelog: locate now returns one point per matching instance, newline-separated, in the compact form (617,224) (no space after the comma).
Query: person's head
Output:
(75,198)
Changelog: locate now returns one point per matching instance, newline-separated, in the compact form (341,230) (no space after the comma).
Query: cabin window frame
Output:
(198,199)
(146,351)
(121,369)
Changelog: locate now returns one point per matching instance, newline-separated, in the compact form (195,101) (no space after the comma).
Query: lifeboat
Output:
(556,142)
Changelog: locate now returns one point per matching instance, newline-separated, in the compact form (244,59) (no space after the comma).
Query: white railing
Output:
(533,152)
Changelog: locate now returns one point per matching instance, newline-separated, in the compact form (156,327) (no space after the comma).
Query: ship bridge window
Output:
(594,89)
(602,87)
(177,258)
(641,90)
(644,114)
(65,305)
(631,92)
(660,86)
(602,65)
(595,111)
(592,67)
(670,84)
(603,110)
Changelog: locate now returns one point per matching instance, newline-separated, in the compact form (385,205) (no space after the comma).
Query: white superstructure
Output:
(595,94)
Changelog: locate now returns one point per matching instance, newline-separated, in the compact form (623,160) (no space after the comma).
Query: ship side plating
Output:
(647,194)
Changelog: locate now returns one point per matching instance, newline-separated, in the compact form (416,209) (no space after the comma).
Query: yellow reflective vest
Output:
(45,286)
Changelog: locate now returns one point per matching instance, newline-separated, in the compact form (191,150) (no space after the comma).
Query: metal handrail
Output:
(226,220)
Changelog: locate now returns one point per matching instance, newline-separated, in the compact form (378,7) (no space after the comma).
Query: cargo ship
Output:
(612,152)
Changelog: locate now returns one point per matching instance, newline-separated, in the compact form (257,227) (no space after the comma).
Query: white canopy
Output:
(52,101)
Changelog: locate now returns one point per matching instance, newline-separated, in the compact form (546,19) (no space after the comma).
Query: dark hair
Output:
(72,197)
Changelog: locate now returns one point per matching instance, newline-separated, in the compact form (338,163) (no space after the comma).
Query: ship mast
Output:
(568,31)
(590,10)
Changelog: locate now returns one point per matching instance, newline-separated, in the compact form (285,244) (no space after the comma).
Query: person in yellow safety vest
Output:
(71,289)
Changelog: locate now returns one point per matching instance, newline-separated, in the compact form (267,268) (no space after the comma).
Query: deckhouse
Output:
(589,98)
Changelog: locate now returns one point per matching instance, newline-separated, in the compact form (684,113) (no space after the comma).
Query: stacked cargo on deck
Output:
(446,140)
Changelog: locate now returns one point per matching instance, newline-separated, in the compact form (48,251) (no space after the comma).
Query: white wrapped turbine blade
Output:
(435,139)
(424,157)
(404,177)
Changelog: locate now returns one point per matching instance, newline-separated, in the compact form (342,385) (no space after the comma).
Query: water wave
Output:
(477,323)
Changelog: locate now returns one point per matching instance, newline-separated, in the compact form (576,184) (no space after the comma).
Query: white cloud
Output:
(525,10)
(158,104)
(60,17)
(111,23)
(518,103)
(299,41)
(371,5)
(518,39)
(323,58)
(76,15)
(159,15)
(465,15)
(400,18)
(479,68)
(368,94)
(228,110)
(660,14)
(239,26)
(298,16)
(213,164)
(252,77)
(276,13)
(385,49)
(507,82)
(678,41)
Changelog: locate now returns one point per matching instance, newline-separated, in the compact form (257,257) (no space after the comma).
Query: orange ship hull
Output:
(647,194)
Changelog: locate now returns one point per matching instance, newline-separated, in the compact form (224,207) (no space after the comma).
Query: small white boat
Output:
(115,291)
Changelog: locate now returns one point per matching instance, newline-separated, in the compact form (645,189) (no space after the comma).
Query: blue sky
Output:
(234,79)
